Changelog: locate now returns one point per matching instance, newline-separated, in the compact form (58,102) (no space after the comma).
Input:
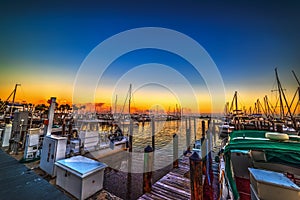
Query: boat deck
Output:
(174,185)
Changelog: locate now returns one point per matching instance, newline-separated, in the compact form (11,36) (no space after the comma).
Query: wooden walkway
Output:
(174,185)
(19,182)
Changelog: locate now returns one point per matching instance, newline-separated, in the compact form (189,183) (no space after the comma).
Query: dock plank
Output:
(19,182)
(173,185)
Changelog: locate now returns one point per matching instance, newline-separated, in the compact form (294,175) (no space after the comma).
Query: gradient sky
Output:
(42,45)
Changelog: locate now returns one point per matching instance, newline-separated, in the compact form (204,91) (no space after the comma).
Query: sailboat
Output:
(259,164)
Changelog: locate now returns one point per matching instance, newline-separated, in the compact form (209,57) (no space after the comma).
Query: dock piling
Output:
(188,138)
(195,129)
(130,135)
(196,177)
(214,133)
(148,167)
(203,128)
(175,151)
(153,133)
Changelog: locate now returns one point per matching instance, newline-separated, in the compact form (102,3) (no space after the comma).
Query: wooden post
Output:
(190,124)
(214,133)
(148,167)
(153,133)
(279,128)
(186,123)
(203,128)
(70,128)
(195,129)
(196,177)
(63,127)
(130,135)
(175,151)
(190,131)
(188,138)
(129,161)
(129,185)
(203,131)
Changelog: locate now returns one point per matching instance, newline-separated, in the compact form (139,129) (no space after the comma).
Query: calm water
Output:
(164,131)
(128,185)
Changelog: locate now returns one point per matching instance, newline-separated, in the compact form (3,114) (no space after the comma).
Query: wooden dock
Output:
(19,182)
(174,185)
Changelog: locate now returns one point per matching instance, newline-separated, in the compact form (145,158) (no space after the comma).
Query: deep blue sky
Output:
(246,39)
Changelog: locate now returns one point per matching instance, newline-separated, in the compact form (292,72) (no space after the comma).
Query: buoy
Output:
(277,136)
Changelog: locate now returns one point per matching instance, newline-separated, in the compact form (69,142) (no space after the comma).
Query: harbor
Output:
(85,155)
(149,100)
(118,157)
(156,153)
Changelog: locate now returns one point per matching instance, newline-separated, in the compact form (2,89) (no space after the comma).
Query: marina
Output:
(149,100)
(158,153)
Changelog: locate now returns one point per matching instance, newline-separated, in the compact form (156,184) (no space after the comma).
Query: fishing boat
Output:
(257,164)
(91,136)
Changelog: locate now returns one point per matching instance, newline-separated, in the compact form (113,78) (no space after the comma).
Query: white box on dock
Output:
(54,148)
(273,185)
(6,135)
(80,176)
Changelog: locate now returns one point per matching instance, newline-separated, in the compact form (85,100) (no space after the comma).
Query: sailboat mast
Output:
(116,101)
(129,102)
(279,92)
(236,102)
(286,103)
(296,78)
(267,107)
(297,91)
(13,100)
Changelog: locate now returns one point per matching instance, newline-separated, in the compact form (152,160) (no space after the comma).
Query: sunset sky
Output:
(43,45)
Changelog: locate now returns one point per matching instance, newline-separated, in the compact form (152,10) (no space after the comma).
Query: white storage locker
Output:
(272,185)
(7,135)
(54,148)
(80,176)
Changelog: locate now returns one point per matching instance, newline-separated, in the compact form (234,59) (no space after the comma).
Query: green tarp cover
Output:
(284,152)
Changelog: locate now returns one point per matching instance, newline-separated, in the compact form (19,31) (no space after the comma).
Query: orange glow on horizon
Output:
(30,92)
